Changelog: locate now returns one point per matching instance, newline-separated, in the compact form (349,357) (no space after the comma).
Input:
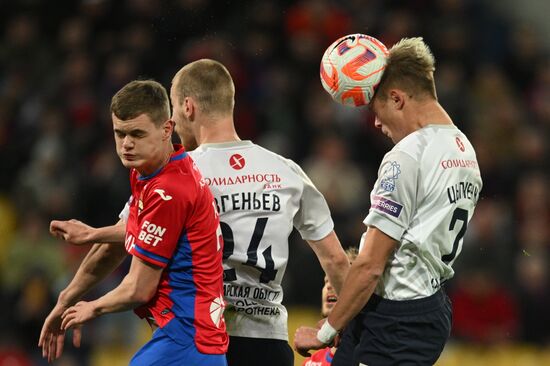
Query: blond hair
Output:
(141,97)
(410,67)
(352,253)
(209,83)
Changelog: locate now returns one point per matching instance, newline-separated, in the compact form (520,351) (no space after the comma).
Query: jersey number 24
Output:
(268,272)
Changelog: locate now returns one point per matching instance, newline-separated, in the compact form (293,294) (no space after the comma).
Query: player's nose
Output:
(127,143)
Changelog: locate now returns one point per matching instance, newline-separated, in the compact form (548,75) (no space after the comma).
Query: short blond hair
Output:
(352,253)
(410,67)
(209,83)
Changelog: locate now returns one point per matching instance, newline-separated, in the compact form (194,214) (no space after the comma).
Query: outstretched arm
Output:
(100,261)
(137,288)
(333,259)
(79,233)
(363,277)
(358,287)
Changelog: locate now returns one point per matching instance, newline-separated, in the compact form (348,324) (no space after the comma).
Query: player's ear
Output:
(168,129)
(189,108)
(397,99)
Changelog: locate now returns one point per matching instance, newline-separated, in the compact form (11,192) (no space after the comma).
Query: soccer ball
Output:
(352,67)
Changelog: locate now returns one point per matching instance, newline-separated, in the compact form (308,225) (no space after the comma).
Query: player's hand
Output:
(305,339)
(336,340)
(52,335)
(78,314)
(72,231)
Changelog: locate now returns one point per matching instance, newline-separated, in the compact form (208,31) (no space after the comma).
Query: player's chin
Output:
(326,309)
(130,162)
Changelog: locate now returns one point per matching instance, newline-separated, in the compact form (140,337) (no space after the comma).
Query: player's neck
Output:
(158,163)
(419,115)
(430,113)
(217,131)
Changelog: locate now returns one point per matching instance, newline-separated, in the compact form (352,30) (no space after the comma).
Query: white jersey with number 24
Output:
(260,196)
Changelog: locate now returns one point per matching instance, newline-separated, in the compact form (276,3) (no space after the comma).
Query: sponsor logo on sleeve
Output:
(151,233)
(390,176)
(387,206)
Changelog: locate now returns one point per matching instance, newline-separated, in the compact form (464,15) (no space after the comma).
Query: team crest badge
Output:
(389,176)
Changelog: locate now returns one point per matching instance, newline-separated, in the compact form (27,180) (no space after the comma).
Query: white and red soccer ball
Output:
(352,67)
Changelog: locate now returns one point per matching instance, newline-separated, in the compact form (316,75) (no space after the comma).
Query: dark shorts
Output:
(386,332)
(244,351)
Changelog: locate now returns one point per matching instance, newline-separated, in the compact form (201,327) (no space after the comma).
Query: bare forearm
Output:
(363,277)
(356,292)
(101,260)
(337,271)
(332,258)
(137,288)
(125,297)
(113,234)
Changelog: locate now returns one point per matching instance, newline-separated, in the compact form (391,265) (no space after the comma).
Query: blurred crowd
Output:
(60,65)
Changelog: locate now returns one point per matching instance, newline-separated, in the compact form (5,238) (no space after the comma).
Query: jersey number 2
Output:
(266,274)
(462,215)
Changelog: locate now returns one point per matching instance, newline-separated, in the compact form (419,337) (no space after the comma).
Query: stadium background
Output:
(60,63)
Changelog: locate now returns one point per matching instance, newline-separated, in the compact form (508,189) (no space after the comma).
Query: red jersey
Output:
(322,357)
(173,224)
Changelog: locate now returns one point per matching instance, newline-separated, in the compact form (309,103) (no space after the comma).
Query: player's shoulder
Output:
(174,183)
(278,158)
(269,159)
(419,143)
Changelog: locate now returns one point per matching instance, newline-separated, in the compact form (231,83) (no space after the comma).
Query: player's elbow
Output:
(140,295)
(338,263)
(370,271)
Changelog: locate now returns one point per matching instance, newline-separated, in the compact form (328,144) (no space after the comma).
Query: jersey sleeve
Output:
(313,220)
(160,225)
(393,199)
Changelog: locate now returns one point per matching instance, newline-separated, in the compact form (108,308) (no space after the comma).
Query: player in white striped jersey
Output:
(427,188)
(260,196)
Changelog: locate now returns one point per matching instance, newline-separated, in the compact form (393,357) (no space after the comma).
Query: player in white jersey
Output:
(260,196)
(425,195)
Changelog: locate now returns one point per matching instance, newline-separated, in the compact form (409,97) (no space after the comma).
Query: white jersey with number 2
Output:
(260,196)
(427,188)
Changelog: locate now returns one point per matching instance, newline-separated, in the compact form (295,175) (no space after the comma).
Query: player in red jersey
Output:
(323,357)
(173,234)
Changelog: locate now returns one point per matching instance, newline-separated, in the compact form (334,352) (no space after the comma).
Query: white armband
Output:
(327,333)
